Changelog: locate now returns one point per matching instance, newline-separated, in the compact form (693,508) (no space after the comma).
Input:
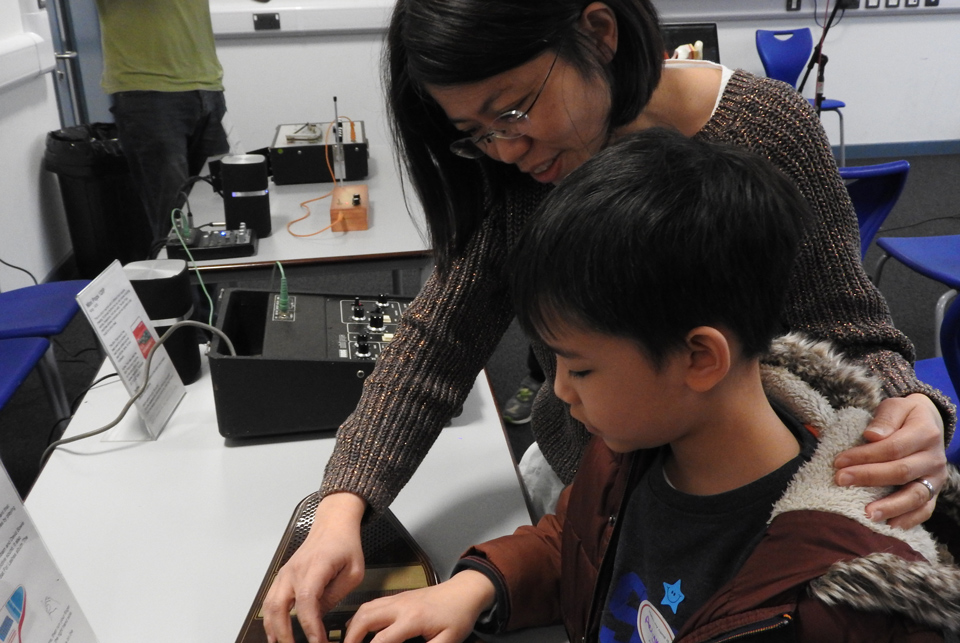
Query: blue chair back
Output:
(950,345)
(943,373)
(874,190)
(784,52)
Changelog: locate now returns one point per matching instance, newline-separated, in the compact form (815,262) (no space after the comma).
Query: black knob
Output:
(357,309)
(376,319)
(363,347)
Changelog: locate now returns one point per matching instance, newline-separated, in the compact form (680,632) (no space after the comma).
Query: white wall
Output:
(33,231)
(293,79)
(897,74)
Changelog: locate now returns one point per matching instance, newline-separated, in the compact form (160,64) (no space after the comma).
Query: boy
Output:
(656,273)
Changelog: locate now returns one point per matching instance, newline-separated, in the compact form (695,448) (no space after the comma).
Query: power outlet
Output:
(931,3)
(849,4)
(793,5)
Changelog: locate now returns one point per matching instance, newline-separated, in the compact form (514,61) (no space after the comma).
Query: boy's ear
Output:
(598,21)
(709,358)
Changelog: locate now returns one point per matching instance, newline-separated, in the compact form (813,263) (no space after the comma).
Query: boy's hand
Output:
(444,613)
(905,444)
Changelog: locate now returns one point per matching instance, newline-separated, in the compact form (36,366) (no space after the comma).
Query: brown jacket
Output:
(822,572)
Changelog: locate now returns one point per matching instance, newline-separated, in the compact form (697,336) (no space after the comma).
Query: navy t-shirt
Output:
(675,550)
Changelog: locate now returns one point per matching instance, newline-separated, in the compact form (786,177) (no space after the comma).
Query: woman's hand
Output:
(444,613)
(326,567)
(905,444)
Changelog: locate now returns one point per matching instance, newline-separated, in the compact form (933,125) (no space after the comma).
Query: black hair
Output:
(451,42)
(659,234)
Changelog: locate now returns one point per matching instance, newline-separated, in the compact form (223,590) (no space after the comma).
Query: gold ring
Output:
(926,483)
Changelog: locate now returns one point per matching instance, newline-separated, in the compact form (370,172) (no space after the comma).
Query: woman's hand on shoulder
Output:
(444,613)
(904,445)
(327,566)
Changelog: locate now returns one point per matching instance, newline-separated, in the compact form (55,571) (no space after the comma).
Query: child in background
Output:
(705,504)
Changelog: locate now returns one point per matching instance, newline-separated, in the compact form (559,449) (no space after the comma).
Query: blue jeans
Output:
(166,138)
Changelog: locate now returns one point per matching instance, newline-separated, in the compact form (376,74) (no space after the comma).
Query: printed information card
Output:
(38,606)
(123,327)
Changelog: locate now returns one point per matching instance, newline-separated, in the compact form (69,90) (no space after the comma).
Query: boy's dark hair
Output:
(451,42)
(659,234)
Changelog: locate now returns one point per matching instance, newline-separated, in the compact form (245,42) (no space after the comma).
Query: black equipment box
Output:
(212,244)
(300,153)
(297,371)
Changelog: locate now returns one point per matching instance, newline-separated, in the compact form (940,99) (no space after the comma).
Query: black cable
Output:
(913,225)
(816,12)
(30,274)
(56,340)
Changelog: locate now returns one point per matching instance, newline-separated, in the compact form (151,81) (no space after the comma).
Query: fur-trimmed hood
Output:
(837,399)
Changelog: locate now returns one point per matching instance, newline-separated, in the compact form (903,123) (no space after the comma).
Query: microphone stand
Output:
(819,60)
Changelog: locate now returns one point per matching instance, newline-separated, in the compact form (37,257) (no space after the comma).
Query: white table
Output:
(393,233)
(169,540)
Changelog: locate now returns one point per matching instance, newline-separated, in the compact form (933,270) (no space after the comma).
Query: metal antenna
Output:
(341,162)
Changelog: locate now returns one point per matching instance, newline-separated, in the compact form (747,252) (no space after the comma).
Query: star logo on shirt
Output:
(672,595)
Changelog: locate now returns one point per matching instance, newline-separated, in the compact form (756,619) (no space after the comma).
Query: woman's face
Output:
(567,124)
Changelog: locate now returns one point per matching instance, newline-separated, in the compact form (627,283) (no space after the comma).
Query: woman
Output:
(528,90)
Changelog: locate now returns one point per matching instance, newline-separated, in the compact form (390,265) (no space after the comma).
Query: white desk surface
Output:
(170,540)
(393,232)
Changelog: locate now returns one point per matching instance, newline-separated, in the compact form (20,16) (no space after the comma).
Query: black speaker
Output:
(246,198)
(163,287)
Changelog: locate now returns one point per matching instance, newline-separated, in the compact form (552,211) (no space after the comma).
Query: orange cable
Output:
(326,153)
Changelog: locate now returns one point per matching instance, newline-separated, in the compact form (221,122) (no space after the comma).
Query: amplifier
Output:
(296,371)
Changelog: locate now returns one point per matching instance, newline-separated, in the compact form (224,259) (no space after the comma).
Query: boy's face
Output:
(613,388)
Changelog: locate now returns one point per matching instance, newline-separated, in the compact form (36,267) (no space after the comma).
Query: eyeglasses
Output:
(509,125)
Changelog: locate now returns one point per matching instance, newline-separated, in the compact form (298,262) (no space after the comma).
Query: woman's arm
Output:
(444,339)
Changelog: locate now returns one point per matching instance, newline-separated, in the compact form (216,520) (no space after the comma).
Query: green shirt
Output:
(158,45)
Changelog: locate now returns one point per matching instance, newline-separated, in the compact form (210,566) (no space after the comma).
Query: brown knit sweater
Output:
(455,323)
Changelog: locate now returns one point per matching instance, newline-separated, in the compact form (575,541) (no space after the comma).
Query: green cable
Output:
(283,301)
(183,242)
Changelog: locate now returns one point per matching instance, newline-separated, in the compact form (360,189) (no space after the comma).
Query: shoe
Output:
(518,408)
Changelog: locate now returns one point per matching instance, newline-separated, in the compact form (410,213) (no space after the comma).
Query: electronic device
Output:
(299,368)
(246,197)
(349,208)
(393,559)
(300,153)
(212,244)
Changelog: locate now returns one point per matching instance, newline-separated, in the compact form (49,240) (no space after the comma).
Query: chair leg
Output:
(50,376)
(878,269)
(941,310)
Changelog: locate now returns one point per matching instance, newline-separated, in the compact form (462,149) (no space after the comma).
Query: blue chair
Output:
(18,357)
(42,310)
(936,258)
(874,190)
(944,372)
(784,53)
